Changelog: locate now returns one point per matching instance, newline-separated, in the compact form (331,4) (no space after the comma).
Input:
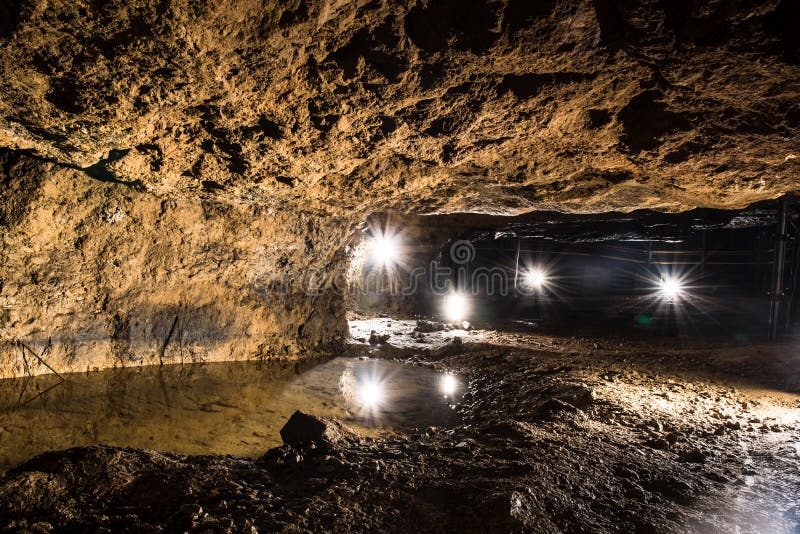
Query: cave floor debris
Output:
(574,435)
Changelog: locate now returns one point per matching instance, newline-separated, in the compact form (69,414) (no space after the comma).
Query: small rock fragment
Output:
(378,339)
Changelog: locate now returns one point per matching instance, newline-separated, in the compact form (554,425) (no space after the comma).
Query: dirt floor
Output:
(554,434)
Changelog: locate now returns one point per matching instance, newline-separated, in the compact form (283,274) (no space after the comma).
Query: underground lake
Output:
(216,408)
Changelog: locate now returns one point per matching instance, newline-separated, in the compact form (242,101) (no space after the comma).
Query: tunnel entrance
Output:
(715,275)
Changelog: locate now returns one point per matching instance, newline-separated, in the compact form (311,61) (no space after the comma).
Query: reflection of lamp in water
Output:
(370,394)
(448,384)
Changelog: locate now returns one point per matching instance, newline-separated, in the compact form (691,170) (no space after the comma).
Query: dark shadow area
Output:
(707,275)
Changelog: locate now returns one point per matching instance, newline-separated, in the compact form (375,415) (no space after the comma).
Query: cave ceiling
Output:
(341,107)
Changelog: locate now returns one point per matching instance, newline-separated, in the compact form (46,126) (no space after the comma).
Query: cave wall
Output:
(175,158)
(95,275)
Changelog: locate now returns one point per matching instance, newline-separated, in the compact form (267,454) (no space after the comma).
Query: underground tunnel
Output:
(424,265)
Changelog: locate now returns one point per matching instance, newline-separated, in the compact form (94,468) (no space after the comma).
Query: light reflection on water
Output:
(221,408)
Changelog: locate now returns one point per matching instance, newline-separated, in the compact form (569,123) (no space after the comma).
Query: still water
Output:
(220,408)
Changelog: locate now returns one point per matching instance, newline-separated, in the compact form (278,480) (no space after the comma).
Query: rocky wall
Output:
(165,163)
(96,275)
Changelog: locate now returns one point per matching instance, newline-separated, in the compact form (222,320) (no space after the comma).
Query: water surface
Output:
(220,408)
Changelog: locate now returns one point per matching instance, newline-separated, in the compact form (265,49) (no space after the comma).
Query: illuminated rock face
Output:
(98,275)
(163,156)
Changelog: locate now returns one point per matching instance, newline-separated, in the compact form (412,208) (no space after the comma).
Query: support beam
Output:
(776,295)
(794,278)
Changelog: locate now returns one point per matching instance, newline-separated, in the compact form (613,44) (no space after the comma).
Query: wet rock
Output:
(670,487)
(654,426)
(793,514)
(552,408)
(634,491)
(561,477)
(626,472)
(426,327)
(303,430)
(717,477)
(192,510)
(513,430)
(692,455)
(609,419)
(610,376)
(223,524)
(578,395)
(658,443)
(186,517)
(378,339)
(733,425)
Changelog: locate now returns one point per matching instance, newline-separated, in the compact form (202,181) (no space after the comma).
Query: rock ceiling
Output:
(450,105)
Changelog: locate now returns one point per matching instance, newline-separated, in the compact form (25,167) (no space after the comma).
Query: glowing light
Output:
(455,307)
(370,394)
(534,278)
(448,384)
(671,288)
(386,249)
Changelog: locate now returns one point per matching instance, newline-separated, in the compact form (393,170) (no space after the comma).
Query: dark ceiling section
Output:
(640,225)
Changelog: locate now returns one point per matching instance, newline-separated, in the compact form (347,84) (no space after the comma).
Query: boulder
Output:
(304,429)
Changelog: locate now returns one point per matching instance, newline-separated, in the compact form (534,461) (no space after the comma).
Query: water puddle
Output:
(220,408)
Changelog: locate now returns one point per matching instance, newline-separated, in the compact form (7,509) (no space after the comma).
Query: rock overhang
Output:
(492,107)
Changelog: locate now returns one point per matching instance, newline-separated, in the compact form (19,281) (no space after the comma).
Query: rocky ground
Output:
(578,435)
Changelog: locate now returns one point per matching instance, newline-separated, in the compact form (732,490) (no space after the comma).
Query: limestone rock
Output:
(181,179)
(454,105)
(304,429)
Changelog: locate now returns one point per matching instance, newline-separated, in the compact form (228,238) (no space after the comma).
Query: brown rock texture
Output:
(163,155)
(304,429)
(97,275)
(449,105)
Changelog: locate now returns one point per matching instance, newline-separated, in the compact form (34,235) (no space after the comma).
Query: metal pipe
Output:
(516,265)
(703,259)
(794,265)
(630,260)
(776,295)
